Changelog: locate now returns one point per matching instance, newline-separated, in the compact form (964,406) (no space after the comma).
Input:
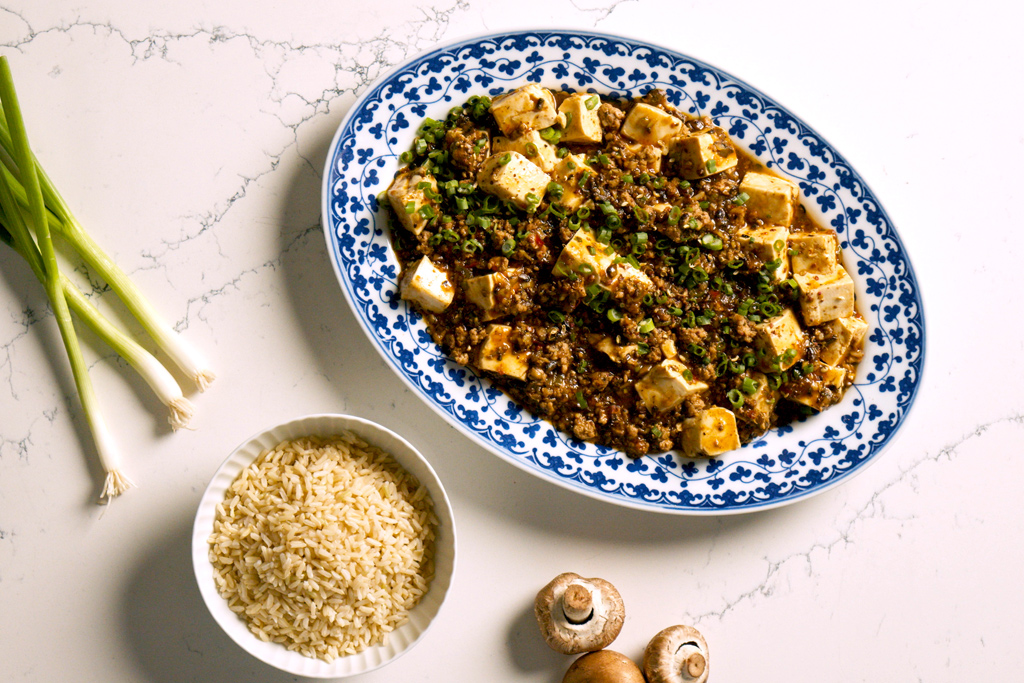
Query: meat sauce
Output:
(624,274)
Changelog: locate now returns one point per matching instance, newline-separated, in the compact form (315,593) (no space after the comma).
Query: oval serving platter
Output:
(786,464)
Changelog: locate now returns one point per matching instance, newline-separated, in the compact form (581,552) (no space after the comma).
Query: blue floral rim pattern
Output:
(785,465)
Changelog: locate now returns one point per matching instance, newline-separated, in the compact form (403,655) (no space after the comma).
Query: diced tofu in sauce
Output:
(532,146)
(584,255)
(667,384)
(846,334)
(765,245)
(781,341)
(770,198)
(814,253)
(820,389)
(427,285)
(410,202)
(710,433)
(571,173)
(650,126)
(497,353)
(580,123)
(824,298)
(698,156)
(512,177)
(530,107)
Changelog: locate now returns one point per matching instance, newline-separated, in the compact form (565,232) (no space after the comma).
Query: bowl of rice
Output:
(325,546)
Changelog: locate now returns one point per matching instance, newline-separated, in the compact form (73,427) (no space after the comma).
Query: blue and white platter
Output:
(785,465)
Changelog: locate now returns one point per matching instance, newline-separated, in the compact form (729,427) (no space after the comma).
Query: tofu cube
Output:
(815,253)
(711,433)
(530,107)
(427,285)
(532,146)
(608,347)
(497,353)
(571,173)
(698,156)
(484,291)
(757,407)
(764,245)
(825,297)
(820,388)
(666,385)
(846,333)
(408,198)
(650,126)
(511,177)
(769,198)
(579,120)
(584,255)
(776,337)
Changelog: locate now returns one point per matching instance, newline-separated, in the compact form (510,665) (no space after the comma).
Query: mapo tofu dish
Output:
(622,270)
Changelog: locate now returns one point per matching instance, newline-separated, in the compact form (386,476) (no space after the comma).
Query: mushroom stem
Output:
(695,664)
(577,604)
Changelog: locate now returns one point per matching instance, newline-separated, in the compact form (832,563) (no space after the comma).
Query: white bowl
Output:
(402,639)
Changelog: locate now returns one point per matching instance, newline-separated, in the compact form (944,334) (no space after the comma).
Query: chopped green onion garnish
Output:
(556,317)
(592,102)
(614,315)
(735,398)
(749,386)
(531,149)
(711,166)
(646,326)
(740,199)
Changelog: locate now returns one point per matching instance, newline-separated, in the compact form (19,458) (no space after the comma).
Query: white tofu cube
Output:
(820,388)
(583,255)
(780,342)
(530,107)
(408,198)
(711,433)
(579,118)
(427,285)
(482,291)
(764,245)
(572,173)
(511,177)
(666,385)
(650,126)
(846,333)
(608,347)
(815,253)
(498,354)
(825,297)
(769,198)
(532,146)
(698,156)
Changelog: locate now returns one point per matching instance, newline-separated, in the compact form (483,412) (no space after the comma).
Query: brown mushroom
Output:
(678,654)
(603,666)
(578,615)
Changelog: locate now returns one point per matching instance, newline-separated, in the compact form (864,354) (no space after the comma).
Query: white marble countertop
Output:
(190,140)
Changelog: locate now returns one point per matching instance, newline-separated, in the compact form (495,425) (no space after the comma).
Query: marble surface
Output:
(190,139)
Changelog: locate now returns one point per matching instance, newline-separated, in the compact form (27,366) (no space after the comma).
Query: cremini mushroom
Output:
(678,654)
(578,615)
(603,666)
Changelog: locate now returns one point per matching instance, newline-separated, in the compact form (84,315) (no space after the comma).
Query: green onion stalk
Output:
(62,221)
(115,482)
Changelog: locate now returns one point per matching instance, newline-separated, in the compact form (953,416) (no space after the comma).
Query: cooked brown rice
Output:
(324,545)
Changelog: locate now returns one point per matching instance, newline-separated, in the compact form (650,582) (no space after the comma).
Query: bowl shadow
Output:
(172,635)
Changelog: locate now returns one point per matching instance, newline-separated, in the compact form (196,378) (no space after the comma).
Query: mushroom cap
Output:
(677,654)
(594,631)
(603,666)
